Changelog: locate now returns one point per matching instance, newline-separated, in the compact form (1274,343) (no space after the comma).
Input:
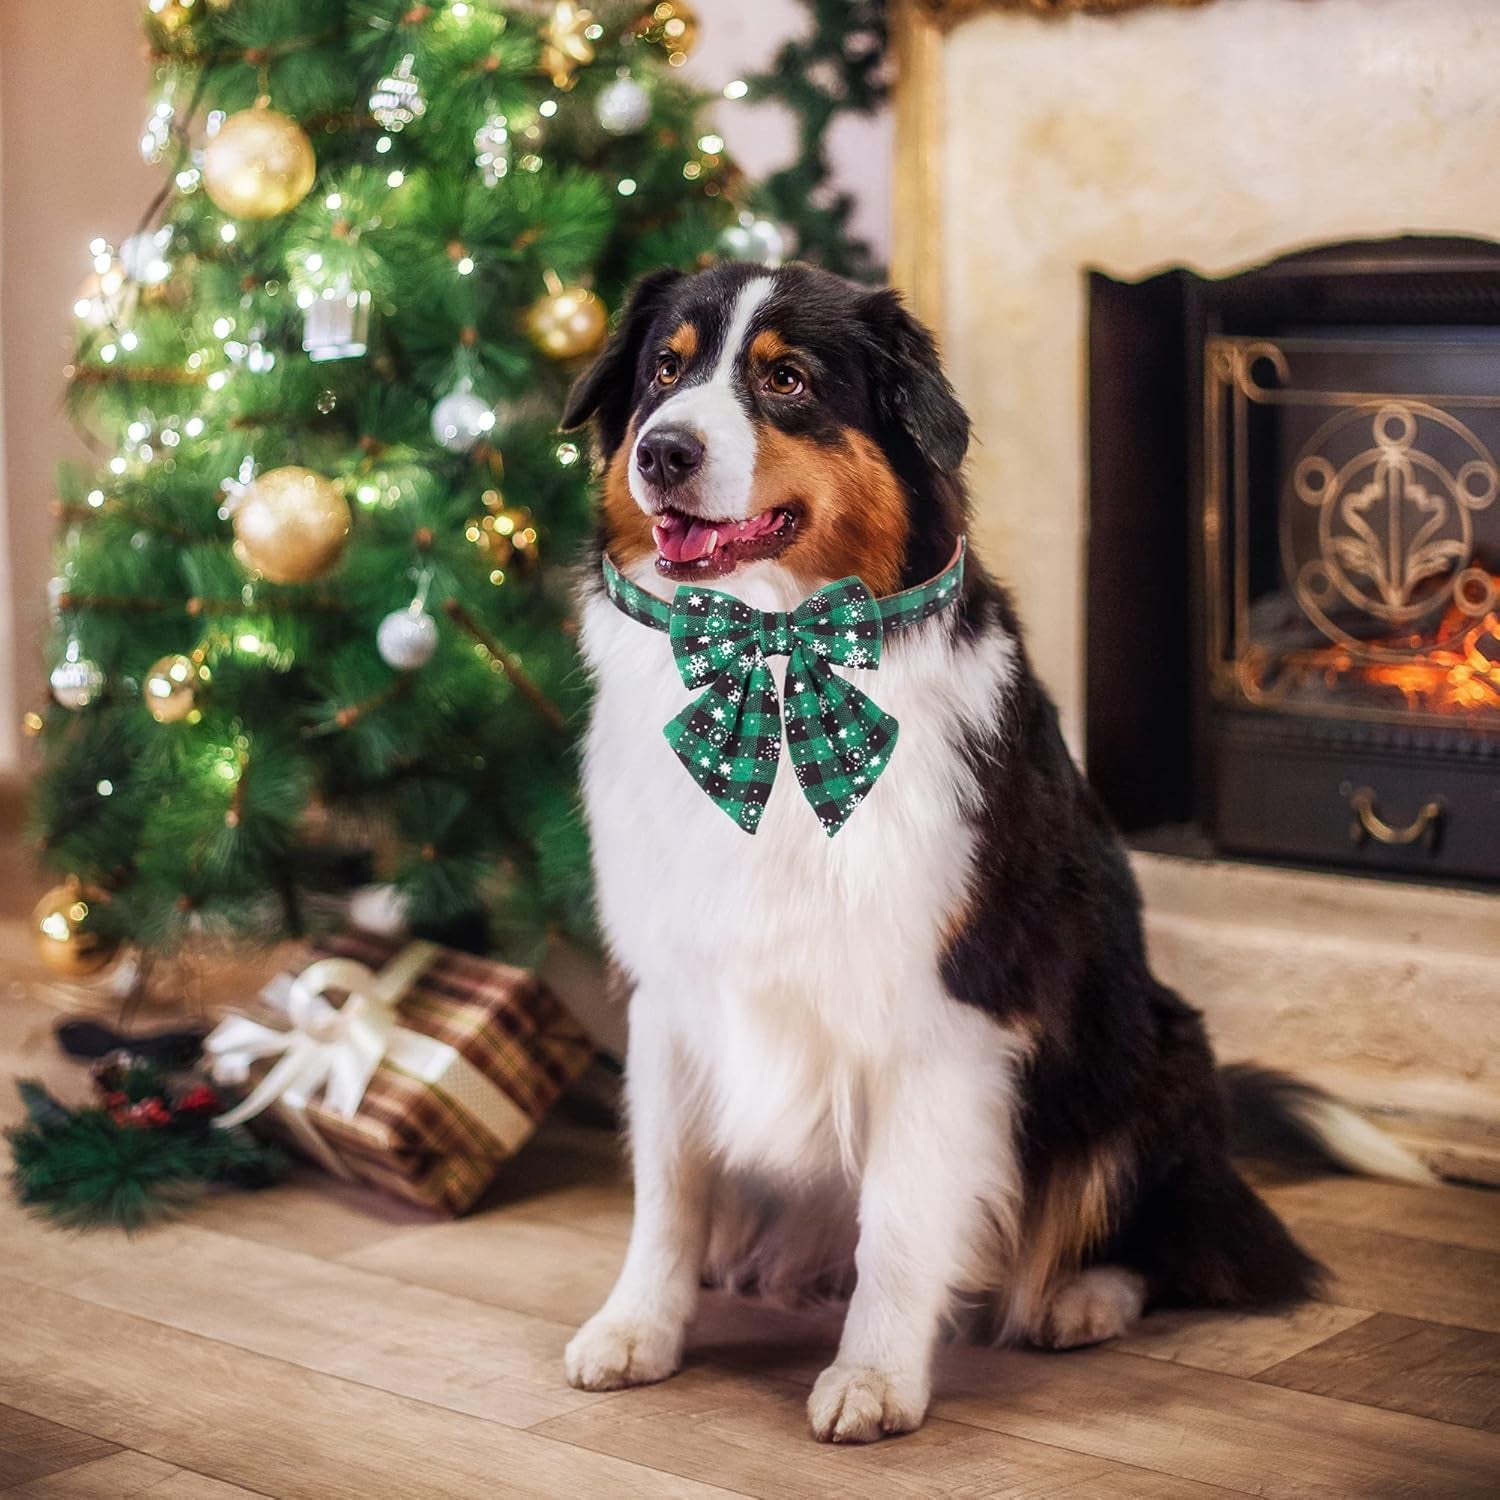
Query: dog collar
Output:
(729,738)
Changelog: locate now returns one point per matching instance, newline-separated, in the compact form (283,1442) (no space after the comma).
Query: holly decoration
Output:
(144,1150)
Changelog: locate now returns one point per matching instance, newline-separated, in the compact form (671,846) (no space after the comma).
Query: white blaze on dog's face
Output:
(746,415)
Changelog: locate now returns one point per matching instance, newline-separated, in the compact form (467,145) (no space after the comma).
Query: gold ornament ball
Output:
(291,525)
(671,25)
(171,688)
(66,925)
(259,165)
(568,323)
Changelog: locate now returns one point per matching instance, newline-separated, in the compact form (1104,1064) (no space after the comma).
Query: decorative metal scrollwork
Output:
(1394,486)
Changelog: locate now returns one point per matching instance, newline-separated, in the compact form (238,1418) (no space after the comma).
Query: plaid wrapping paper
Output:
(418,1140)
(729,738)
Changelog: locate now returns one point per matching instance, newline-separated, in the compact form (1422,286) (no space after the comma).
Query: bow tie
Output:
(729,737)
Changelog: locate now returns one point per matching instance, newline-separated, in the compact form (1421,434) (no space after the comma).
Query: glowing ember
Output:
(1460,677)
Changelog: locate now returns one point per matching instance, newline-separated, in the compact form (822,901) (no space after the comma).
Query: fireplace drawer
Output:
(1428,815)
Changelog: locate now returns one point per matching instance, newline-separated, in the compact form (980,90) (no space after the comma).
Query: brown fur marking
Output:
(767,347)
(684,341)
(853,511)
(1072,1215)
(627,528)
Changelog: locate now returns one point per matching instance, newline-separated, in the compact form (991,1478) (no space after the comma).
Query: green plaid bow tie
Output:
(729,738)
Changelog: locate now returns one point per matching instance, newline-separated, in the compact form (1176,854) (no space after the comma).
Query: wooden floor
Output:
(308,1342)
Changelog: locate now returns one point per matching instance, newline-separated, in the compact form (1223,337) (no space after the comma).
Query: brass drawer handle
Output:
(1369,824)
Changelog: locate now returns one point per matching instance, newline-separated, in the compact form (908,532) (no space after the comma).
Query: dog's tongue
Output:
(682,539)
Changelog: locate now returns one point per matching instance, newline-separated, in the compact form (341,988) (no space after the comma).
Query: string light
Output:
(627,186)
(736,88)
(547,108)
(105,788)
(227,233)
(383,144)
(396,178)
(465,265)
(334,201)
(96,499)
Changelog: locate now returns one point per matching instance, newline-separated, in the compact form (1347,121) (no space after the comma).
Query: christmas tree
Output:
(312,609)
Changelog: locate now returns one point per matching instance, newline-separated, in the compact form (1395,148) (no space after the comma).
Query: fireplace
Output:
(1087,194)
(1294,603)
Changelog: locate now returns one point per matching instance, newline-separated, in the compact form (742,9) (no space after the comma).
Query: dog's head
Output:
(747,416)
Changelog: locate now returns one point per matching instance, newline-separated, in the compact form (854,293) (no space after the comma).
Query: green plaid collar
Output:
(729,738)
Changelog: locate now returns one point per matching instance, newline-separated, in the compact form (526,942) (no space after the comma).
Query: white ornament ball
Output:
(76,682)
(760,240)
(623,107)
(144,256)
(460,419)
(406,639)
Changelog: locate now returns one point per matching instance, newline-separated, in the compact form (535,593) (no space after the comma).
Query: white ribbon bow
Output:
(332,1050)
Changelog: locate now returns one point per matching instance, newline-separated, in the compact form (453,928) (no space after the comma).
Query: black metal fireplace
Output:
(1294,602)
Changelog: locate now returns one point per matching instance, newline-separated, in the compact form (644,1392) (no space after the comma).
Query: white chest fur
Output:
(787,966)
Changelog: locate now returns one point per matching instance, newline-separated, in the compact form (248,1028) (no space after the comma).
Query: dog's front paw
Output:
(609,1353)
(856,1404)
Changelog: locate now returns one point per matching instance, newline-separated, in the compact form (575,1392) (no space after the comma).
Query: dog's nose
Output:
(668,455)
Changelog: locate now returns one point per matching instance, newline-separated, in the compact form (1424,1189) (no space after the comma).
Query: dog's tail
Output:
(1273,1115)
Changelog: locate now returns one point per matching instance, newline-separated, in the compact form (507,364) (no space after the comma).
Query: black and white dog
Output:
(923,1063)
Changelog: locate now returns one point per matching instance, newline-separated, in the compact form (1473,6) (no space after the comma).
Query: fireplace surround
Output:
(1050,153)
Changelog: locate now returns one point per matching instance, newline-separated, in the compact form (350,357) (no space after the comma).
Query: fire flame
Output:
(1461,676)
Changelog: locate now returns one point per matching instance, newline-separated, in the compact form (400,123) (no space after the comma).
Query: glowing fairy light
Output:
(736,88)
(223,327)
(227,233)
(96,499)
(396,178)
(627,186)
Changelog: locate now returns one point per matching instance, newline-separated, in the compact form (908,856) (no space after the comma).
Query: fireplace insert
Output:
(1322,635)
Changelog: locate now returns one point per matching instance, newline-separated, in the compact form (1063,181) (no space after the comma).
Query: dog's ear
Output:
(910,389)
(604,390)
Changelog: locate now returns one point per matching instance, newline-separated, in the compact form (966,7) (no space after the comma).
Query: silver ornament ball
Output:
(76,682)
(144,256)
(460,419)
(760,240)
(406,639)
(623,107)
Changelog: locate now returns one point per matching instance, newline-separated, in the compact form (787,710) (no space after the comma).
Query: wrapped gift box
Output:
(411,1067)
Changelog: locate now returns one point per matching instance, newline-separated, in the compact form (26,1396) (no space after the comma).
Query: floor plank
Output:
(1280,1444)
(1236,1343)
(1448,1215)
(32,1448)
(126,1476)
(273,1427)
(751,1435)
(1400,1364)
(530,1266)
(488,1362)
(1412,1278)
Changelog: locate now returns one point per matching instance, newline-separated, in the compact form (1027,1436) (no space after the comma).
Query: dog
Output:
(917,1059)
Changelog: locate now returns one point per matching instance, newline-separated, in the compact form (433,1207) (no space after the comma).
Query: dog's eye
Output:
(785,380)
(668,368)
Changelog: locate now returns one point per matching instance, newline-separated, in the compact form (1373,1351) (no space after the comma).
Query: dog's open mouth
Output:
(693,547)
